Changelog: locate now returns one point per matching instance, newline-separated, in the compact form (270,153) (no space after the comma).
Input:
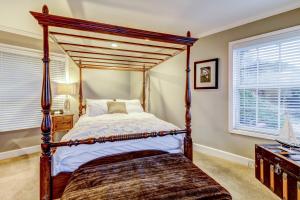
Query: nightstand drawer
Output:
(68,118)
(61,123)
(60,119)
(60,126)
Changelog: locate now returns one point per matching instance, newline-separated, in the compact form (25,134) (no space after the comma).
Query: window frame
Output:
(231,117)
(25,51)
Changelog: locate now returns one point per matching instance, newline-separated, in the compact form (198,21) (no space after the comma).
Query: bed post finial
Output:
(144,88)
(45,9)
(80,89)
(188,143)
(45,159)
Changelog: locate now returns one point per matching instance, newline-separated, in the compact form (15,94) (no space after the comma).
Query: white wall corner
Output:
(20,152)
(224,155)
(244,21)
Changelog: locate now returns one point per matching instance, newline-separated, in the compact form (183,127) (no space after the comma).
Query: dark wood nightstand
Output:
(61,123)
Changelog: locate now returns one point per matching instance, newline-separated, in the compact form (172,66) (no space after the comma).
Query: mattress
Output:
(166,176)
(68,159)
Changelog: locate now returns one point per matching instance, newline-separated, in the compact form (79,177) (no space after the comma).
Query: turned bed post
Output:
(188,143)
(144,88)
(80,89)
(45,159)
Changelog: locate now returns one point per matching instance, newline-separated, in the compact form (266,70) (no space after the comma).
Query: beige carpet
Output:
(239,180)
(19,178)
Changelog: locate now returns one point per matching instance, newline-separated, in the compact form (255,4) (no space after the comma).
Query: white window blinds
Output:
(266,83)
(20,86)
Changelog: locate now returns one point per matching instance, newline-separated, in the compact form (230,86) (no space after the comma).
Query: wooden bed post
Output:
(80,89)
(188,143)
(45,159)
(144,88)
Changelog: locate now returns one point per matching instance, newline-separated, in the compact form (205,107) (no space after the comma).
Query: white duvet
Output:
(68,159)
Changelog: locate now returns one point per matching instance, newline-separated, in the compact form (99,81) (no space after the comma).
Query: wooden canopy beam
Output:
(114,49)
(121,60)
(118,41)
(84,25)
(110,54)
(135,67)
(120,68)
(113,63)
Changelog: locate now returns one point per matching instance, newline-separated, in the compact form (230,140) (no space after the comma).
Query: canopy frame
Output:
(47,20)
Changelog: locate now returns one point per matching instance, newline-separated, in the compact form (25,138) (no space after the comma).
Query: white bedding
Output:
(68,159)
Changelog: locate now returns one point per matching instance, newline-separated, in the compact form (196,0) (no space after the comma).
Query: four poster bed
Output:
(137,156)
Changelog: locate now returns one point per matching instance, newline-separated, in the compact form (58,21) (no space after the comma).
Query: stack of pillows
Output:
(96,107)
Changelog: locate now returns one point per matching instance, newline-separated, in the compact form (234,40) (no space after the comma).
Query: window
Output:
(20,86)
(265,83)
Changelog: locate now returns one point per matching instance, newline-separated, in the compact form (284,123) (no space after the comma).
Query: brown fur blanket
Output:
(166,176)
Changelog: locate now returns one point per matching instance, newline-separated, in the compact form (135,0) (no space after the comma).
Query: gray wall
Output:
(106,84)
(209,107)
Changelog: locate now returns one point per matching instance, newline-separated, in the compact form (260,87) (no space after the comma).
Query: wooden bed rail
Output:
(115,138)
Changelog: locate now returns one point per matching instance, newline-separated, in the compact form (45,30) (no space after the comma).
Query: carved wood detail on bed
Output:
(188,142)
(60,181)
(96,27)
(115,138)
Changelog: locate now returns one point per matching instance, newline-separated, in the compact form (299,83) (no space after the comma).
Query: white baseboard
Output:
(224,155)
(197,147)
(19,152)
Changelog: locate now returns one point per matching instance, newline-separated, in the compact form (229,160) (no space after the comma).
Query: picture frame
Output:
(206,74)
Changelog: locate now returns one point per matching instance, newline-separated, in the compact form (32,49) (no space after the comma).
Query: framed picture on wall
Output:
(206,74)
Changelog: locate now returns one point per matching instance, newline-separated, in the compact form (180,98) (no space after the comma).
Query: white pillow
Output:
(96,107)
(132,106)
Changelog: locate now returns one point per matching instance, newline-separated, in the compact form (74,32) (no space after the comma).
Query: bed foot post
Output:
(188,142)
(45,159)
(188,148)
(45,175)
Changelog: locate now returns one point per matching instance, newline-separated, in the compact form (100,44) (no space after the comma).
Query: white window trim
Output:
(231,129)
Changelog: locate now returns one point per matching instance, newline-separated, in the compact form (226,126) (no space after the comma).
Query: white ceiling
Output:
(201,17)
